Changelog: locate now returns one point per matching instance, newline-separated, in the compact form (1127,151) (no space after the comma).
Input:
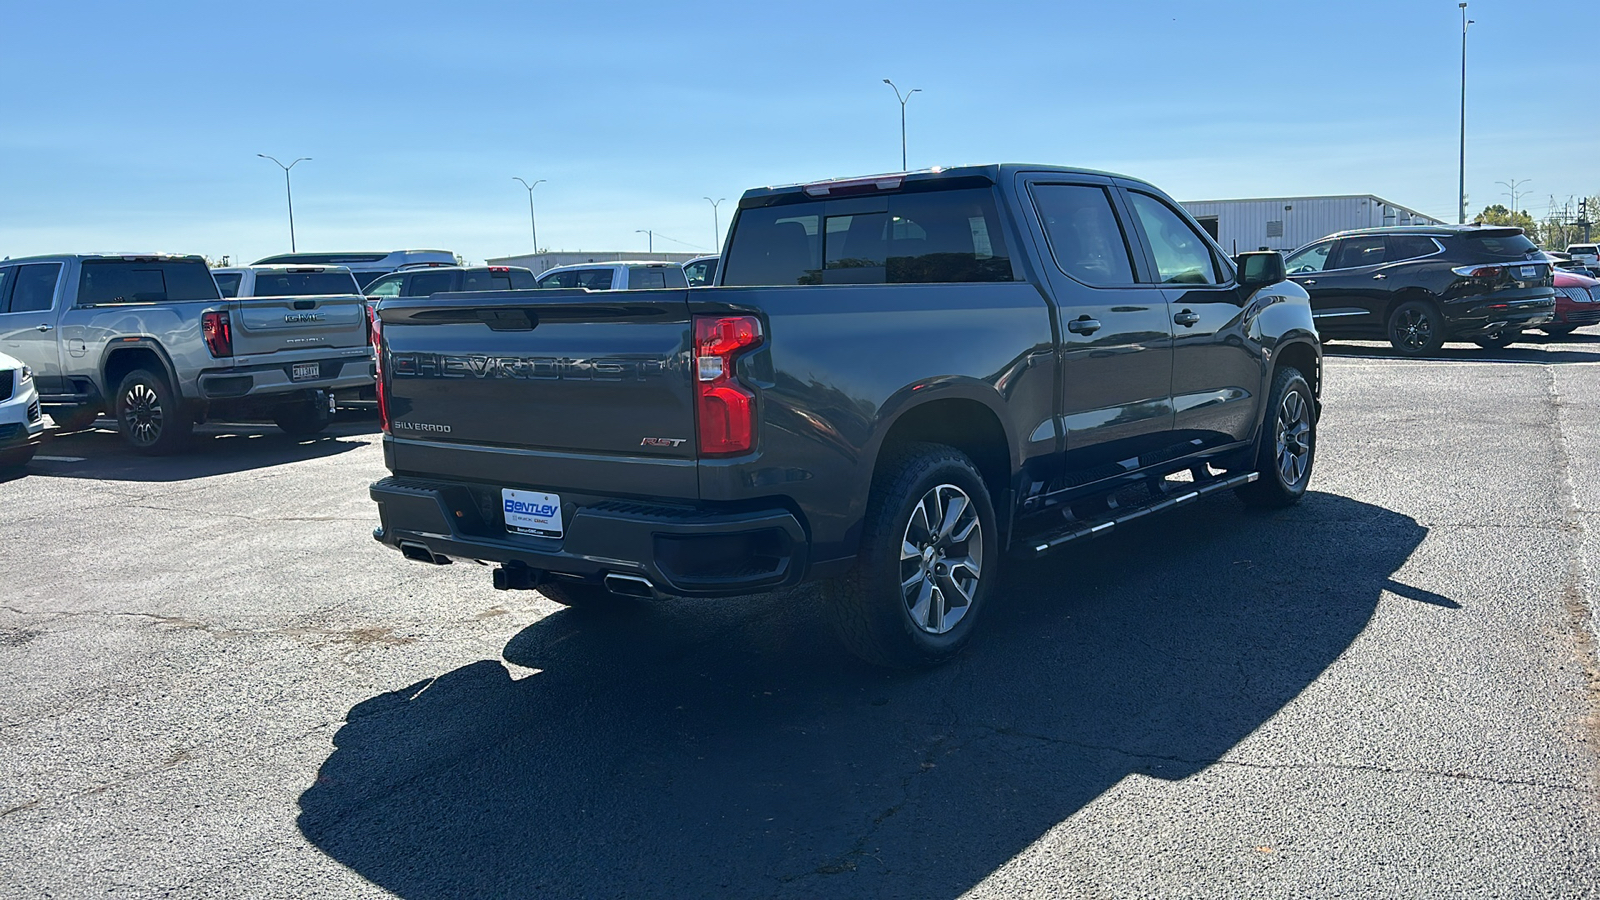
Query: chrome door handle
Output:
(45,328)
(1379,277)
(1309,281)
(1187,318)
(1083,325)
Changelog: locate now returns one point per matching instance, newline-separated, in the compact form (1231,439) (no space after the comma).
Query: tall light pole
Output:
(716,224)
(650,234)
(902,117)
(1514,194)
(1461,191)
(288,191)
(533,224)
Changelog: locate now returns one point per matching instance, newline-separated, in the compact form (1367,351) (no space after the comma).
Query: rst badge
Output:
(661,442)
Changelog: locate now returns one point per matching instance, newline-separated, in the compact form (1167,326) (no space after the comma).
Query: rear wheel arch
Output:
(1406,296)
(962,422)
(128,356)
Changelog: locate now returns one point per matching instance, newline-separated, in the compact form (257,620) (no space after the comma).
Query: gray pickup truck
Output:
(150,339)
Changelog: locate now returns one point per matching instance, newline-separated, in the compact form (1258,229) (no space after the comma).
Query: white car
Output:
(624,275)
(1586,254)
(21,423)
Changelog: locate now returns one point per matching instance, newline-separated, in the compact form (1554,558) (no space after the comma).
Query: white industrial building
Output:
(1287,223)
(540,262)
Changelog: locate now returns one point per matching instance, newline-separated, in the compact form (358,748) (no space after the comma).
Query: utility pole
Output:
(288,191)
(1513,193)
(716,224)
(903,116)
(1462,187)
(1583,218)
(651,235)
(533,224)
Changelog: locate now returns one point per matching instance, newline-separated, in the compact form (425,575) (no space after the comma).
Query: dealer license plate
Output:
(305,371)
(530,512)
(1527,271)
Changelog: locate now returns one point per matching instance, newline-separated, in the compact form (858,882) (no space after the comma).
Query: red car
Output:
(1577,303)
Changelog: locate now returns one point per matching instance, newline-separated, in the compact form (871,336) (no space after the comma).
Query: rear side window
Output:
(426,284)
(387,287)
(1408,246)
(559,280)
(917,238)
(1085,239)
(110,281)
(594,279)
(35,288)
(1499,246)
(8,274)
(300,284)
(1362,251)
(228,283)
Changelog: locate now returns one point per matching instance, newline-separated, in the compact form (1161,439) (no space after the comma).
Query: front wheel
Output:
(929,551)
(150,414)
(1497,340)
(1416,328)
(1288,444)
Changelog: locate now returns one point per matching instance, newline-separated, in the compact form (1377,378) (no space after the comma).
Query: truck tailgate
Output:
(263,325)
(564,371)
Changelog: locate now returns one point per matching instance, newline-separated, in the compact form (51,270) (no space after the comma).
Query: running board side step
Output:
(1043,543)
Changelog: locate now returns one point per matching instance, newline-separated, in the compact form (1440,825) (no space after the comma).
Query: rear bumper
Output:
(337,373)
(681,551)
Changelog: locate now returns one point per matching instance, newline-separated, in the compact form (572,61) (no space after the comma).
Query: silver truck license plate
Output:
(305,371)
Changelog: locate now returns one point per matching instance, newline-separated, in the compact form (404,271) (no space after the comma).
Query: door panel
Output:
(1116,335)
(28,313)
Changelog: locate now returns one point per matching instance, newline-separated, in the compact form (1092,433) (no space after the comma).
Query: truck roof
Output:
(955,176)
(126,255)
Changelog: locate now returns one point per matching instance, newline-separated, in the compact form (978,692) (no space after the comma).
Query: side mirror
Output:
(1260,268)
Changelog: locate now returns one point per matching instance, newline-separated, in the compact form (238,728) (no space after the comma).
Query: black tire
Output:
(875,609)
(581,595)
(1416,328)
(75,418)
(16,459)
(1558,330)
(1497,340)
(303,418)
(1286,451)
(150,415)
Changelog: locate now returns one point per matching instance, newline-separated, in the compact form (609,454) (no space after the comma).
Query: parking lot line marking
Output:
(60,458)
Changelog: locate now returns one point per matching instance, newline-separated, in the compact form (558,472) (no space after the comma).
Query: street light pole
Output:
(1514,194)
(533,224)
(1461,190)
(716,224)
(288,191)
(650,234)
(903,116)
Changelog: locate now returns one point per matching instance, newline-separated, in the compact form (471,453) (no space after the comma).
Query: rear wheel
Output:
(1497,340)
(1558,330)
(150,415)
(1288,445)
(1416,328)
(75,418)
(303,418)
(928,557)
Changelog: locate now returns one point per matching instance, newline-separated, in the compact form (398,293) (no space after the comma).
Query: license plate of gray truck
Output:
(305,371)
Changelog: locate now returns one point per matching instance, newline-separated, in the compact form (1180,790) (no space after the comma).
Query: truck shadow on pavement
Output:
(1532,348)
(731,750)
(215,449)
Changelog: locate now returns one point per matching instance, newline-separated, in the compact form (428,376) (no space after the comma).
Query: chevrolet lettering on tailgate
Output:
(534,368)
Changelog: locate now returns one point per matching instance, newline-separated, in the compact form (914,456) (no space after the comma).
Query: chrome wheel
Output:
(1413,329)
(142,415)
(941,559)
(1294,439)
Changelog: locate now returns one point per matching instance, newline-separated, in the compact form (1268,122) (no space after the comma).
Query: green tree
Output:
(1497,214)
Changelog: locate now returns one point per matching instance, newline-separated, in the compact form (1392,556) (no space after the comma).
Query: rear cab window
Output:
(919,237)
(303,284)
(106,282)
(426,284)
(228,282)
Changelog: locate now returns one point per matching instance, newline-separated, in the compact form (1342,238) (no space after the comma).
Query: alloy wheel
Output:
(941,559)
(143,415)
(1294,438)
(1414,329)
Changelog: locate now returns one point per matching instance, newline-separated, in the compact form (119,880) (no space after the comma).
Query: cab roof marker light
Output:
(878,182)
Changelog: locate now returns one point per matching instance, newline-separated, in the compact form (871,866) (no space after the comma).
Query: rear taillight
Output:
(726,408)
(1486,273)
(375,328)
(218,333)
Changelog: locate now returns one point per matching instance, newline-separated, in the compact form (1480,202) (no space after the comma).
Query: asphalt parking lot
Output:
(214,683)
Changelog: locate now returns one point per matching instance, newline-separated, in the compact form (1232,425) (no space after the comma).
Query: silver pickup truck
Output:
(150,339)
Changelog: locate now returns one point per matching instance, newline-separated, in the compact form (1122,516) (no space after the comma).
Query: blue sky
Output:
(136,126)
